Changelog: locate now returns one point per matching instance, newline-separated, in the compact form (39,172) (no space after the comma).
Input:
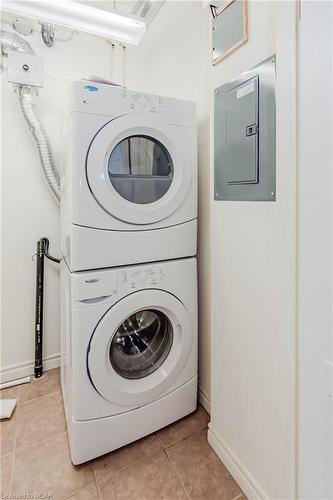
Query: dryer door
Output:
(135,171)
(139,347)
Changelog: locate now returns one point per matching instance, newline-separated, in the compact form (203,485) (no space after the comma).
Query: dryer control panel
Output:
(143,102)
(114,101)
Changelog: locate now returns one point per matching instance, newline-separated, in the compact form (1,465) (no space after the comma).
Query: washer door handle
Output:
(95,300)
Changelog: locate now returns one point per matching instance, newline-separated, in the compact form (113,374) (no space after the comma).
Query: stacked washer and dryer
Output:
(128,270)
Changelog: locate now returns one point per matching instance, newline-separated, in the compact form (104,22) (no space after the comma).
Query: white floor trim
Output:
(204,399)
(26,368)
(246,482)
(16,381)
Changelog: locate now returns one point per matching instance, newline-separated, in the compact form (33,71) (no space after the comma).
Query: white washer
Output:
(129,179)
(128,352)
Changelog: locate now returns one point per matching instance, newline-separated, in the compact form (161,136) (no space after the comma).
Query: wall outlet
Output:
(25,69)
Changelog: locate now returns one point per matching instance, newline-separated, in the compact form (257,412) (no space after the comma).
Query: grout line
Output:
(98,492)
(39,397)
(147,457)
(94,482)
(88,485)
(43,441)
(183,438)
(176,472)
(14,444)
(18,395)
(91,483)
(160,440)
(132,464)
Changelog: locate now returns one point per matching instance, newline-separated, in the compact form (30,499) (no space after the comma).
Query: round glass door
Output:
(141,344)
(137,170)
(140,347)
(140,169)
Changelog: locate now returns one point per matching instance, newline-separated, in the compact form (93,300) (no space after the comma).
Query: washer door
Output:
(139,347)
(135,171)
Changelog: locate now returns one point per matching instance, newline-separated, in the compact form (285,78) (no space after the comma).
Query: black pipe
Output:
(42,251)
(46,251)
(39,308)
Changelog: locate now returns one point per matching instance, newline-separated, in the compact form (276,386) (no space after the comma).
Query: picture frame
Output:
(229,29)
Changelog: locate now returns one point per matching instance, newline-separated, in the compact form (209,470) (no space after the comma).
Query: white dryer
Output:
(129,182)
(128,352)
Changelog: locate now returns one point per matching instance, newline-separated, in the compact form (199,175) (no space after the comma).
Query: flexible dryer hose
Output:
(27,99)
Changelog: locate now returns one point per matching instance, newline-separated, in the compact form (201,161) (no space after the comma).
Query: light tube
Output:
(79,17)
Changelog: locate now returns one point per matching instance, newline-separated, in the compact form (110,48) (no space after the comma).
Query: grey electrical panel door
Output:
(241,158)
(244,136)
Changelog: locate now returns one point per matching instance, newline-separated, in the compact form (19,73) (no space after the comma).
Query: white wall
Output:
(315,192)
(28,210)
(253,289)
(246,250)
(253,249)
(173,60)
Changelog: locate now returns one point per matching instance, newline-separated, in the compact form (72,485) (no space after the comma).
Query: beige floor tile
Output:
(151,479)
(47,384)
(87,493)
(9,393)
(47,468)
(7,433)
(5,470)
(112,463)
(200,470)
(185,427)
(39,419)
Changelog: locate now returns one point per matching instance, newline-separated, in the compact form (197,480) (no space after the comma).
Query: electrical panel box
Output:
(244,136)
(25,69)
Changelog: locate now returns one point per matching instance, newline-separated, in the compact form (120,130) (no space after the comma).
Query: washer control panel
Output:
(140,278)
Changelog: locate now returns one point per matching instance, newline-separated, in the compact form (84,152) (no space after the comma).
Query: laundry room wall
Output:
(28,210)
(315,239)
(173,60)
(253,258)
(247,250)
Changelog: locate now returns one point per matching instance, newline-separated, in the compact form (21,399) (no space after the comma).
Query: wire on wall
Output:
(118,62)
(112,58)
(124,48)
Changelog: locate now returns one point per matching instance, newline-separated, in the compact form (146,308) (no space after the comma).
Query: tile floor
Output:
(174,463)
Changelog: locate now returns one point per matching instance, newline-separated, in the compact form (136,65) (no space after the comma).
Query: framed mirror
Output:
(230,28)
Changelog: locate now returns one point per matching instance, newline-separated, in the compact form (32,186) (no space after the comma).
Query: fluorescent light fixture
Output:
(79,17)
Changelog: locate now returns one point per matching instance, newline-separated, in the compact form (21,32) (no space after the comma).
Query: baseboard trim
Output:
(204,399)
(26,368)
(242,476)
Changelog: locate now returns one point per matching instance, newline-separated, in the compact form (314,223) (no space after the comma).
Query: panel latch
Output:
(251,130)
